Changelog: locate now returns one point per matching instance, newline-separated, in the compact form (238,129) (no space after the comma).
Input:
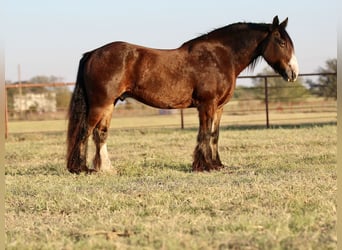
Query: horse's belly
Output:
(164,97)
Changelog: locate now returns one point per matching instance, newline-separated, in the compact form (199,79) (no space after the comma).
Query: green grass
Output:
(277,192)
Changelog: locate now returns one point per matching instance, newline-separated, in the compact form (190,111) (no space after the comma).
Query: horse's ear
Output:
(284,23)
(275,23)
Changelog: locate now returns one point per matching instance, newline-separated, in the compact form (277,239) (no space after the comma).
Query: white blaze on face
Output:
(294,66)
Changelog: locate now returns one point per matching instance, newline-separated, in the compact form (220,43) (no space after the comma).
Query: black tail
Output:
(77,128)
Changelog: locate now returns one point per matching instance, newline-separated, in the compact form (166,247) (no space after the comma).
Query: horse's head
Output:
(279,51)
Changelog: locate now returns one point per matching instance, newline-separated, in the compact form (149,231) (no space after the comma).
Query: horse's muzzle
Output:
(291,75)
(292,70)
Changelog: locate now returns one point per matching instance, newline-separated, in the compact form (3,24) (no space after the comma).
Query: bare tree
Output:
(325,85)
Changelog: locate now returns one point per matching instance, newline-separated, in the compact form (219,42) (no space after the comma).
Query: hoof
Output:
(217,167)
(80,170)
(202,166)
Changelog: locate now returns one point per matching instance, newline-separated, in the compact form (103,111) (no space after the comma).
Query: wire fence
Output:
(257,104)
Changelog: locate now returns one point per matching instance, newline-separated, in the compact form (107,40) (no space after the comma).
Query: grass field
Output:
(278,191)
(174,121)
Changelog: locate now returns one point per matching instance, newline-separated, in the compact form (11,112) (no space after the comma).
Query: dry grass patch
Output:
(277,192)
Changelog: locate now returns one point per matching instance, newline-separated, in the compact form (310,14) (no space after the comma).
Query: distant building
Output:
(39,102)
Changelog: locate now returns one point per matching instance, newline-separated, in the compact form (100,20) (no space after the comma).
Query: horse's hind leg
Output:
(100,133)
(77,156)
(77,143)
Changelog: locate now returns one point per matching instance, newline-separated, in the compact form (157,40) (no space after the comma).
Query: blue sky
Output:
(49,37)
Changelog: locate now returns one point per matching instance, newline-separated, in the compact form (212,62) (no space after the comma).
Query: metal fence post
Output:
(6,114)
(266,103)
(182,119)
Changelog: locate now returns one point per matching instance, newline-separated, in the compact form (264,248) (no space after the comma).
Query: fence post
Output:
(6,114)
(266,103)
(182,119)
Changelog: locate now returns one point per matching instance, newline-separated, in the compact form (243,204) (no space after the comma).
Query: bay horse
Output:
(201,73)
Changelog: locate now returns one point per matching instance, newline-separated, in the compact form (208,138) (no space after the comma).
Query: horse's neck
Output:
(242,47)
(246,47)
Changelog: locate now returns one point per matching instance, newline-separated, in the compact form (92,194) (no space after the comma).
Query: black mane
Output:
(229,29)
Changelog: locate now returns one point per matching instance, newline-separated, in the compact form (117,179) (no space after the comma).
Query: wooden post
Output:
(266,104)
(20,93)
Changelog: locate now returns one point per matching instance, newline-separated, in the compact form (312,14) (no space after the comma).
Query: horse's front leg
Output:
(206,157)
(214,137)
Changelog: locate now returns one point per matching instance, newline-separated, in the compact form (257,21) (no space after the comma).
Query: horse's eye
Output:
(281,42)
